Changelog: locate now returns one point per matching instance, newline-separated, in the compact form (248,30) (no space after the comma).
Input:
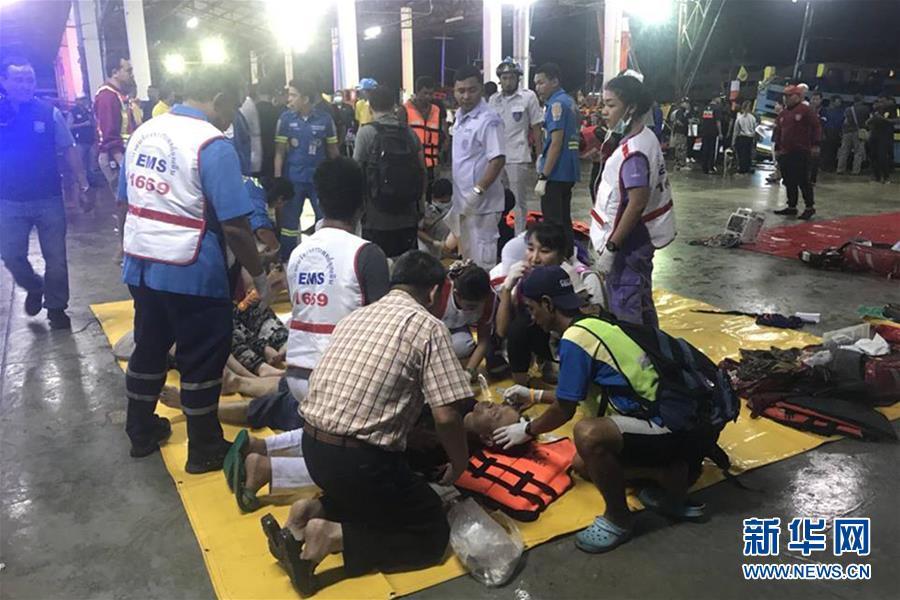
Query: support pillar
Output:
(406,52)
(348,49)
(137,45)
(254,67)
(522,41)
(492,38)
(613,18)
(89,41)
(288,66)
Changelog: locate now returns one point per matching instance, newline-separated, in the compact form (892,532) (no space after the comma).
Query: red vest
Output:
(521,486)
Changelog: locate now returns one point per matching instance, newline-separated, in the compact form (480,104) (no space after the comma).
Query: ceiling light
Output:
(174,64)
(370,33)
(212,51)
(192,23)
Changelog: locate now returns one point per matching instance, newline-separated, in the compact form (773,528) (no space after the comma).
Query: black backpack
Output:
(394,175)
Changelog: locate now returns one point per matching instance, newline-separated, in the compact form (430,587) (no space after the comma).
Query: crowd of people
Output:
(371,379)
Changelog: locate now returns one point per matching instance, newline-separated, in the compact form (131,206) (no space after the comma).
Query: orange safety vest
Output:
(428,132)
(521,486)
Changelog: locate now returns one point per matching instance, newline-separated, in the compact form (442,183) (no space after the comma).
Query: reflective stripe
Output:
(156,215)
(596,216)
(657,213)
(290,232)
(141,397)
(280,138)
(203,385)
(144,376)
(199,412)
(312,327)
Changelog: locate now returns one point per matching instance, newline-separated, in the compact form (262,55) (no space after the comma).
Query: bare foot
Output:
(322,538)
(265,370)
(170,396)
(230,383)
(302,512)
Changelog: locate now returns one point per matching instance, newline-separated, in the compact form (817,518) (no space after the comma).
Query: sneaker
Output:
(788,212)
(161,432)
(807,214)
(34,302)
(59,319)
(205,461)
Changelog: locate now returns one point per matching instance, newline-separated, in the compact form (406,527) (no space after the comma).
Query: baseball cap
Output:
(367,83)
(793,89)
(553,282)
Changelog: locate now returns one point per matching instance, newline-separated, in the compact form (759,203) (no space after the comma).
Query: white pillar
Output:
(288,66)
(522,41)
(492,38)
(348,48)
(612,38)
(137,45)
(89,39)
(254,67)
(406,51)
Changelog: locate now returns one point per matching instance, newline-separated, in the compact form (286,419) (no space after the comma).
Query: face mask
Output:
(623,124)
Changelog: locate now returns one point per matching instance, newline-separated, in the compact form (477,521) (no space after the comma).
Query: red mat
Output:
(789,240)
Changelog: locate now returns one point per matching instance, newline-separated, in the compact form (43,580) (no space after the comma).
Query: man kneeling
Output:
(385,361)
(640,440)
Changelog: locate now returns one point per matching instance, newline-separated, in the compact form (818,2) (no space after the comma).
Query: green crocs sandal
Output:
(234,456)
(654,499)
(601,536)
(246,500)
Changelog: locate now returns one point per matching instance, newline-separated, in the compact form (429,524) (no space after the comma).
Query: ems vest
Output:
(521,486)
(28,165)
(658,217)
(454,317)
(428,132)
(127,118)
(166,209)
(325,288)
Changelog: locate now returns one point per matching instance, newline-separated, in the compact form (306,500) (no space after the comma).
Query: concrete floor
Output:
(80,519)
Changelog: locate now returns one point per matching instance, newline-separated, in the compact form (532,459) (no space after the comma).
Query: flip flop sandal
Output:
(272,530)
(246,500)
(601,536)
(653,499)
(235,455)
(301,572)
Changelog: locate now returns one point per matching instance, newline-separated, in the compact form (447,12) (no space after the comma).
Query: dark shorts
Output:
(393,242)
(277,410)
(648,445)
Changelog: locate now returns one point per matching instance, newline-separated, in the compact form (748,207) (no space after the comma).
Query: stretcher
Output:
(234,547)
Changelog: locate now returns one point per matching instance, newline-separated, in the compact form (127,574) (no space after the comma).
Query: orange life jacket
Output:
(521,486)
(428,132)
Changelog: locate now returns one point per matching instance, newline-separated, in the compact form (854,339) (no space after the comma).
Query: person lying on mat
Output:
(384,363)
(277,460)
(630,443)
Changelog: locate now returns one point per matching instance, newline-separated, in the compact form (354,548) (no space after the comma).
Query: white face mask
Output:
(623,124)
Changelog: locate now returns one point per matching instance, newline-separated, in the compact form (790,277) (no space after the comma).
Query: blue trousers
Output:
(629,286)
(48,216)
(289,219)
(201,329)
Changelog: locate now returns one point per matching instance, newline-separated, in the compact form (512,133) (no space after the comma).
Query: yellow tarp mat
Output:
(235,550)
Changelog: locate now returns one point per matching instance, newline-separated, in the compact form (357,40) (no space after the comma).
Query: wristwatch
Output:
(478,190)
(542,177)
(611,246)
(528,429)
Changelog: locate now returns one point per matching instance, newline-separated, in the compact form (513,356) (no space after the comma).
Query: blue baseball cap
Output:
(367,83)
(554,283)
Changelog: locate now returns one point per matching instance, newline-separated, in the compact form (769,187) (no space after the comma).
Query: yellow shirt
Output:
(161,108)
(363,112)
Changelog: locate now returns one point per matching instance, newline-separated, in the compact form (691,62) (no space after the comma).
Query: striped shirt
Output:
(385,361)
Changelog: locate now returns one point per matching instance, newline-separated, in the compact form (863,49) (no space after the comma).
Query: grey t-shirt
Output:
(374,278)
(373,218)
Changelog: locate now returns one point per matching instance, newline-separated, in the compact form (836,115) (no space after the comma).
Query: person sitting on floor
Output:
(466,301)
(635,441)
(435,236)
(384,363)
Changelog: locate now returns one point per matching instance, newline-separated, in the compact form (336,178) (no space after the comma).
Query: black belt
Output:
(330,438)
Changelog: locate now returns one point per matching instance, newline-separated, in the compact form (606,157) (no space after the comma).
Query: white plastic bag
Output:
(490,551)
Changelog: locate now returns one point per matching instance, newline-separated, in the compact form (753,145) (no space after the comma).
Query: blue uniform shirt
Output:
(306,138)
(560,113)
(220,175)
(259,218)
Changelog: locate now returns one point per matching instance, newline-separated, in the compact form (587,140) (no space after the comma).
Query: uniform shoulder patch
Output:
(556,110)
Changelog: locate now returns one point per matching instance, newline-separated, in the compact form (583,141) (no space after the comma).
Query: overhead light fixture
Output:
(295,25)
(370,33)
(192,23)
(174,64)
(454,19)
(212,51)
(651,12)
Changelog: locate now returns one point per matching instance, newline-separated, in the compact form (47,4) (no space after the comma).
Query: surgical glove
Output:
(605,262)
(541,188)
(514,275)
(522,397)
(261,283)
(512,435)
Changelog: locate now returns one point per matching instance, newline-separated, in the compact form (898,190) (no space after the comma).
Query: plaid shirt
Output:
(383,363)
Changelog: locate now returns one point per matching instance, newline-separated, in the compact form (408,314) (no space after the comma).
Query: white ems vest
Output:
(658,216)
(166,219)
(325,288)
